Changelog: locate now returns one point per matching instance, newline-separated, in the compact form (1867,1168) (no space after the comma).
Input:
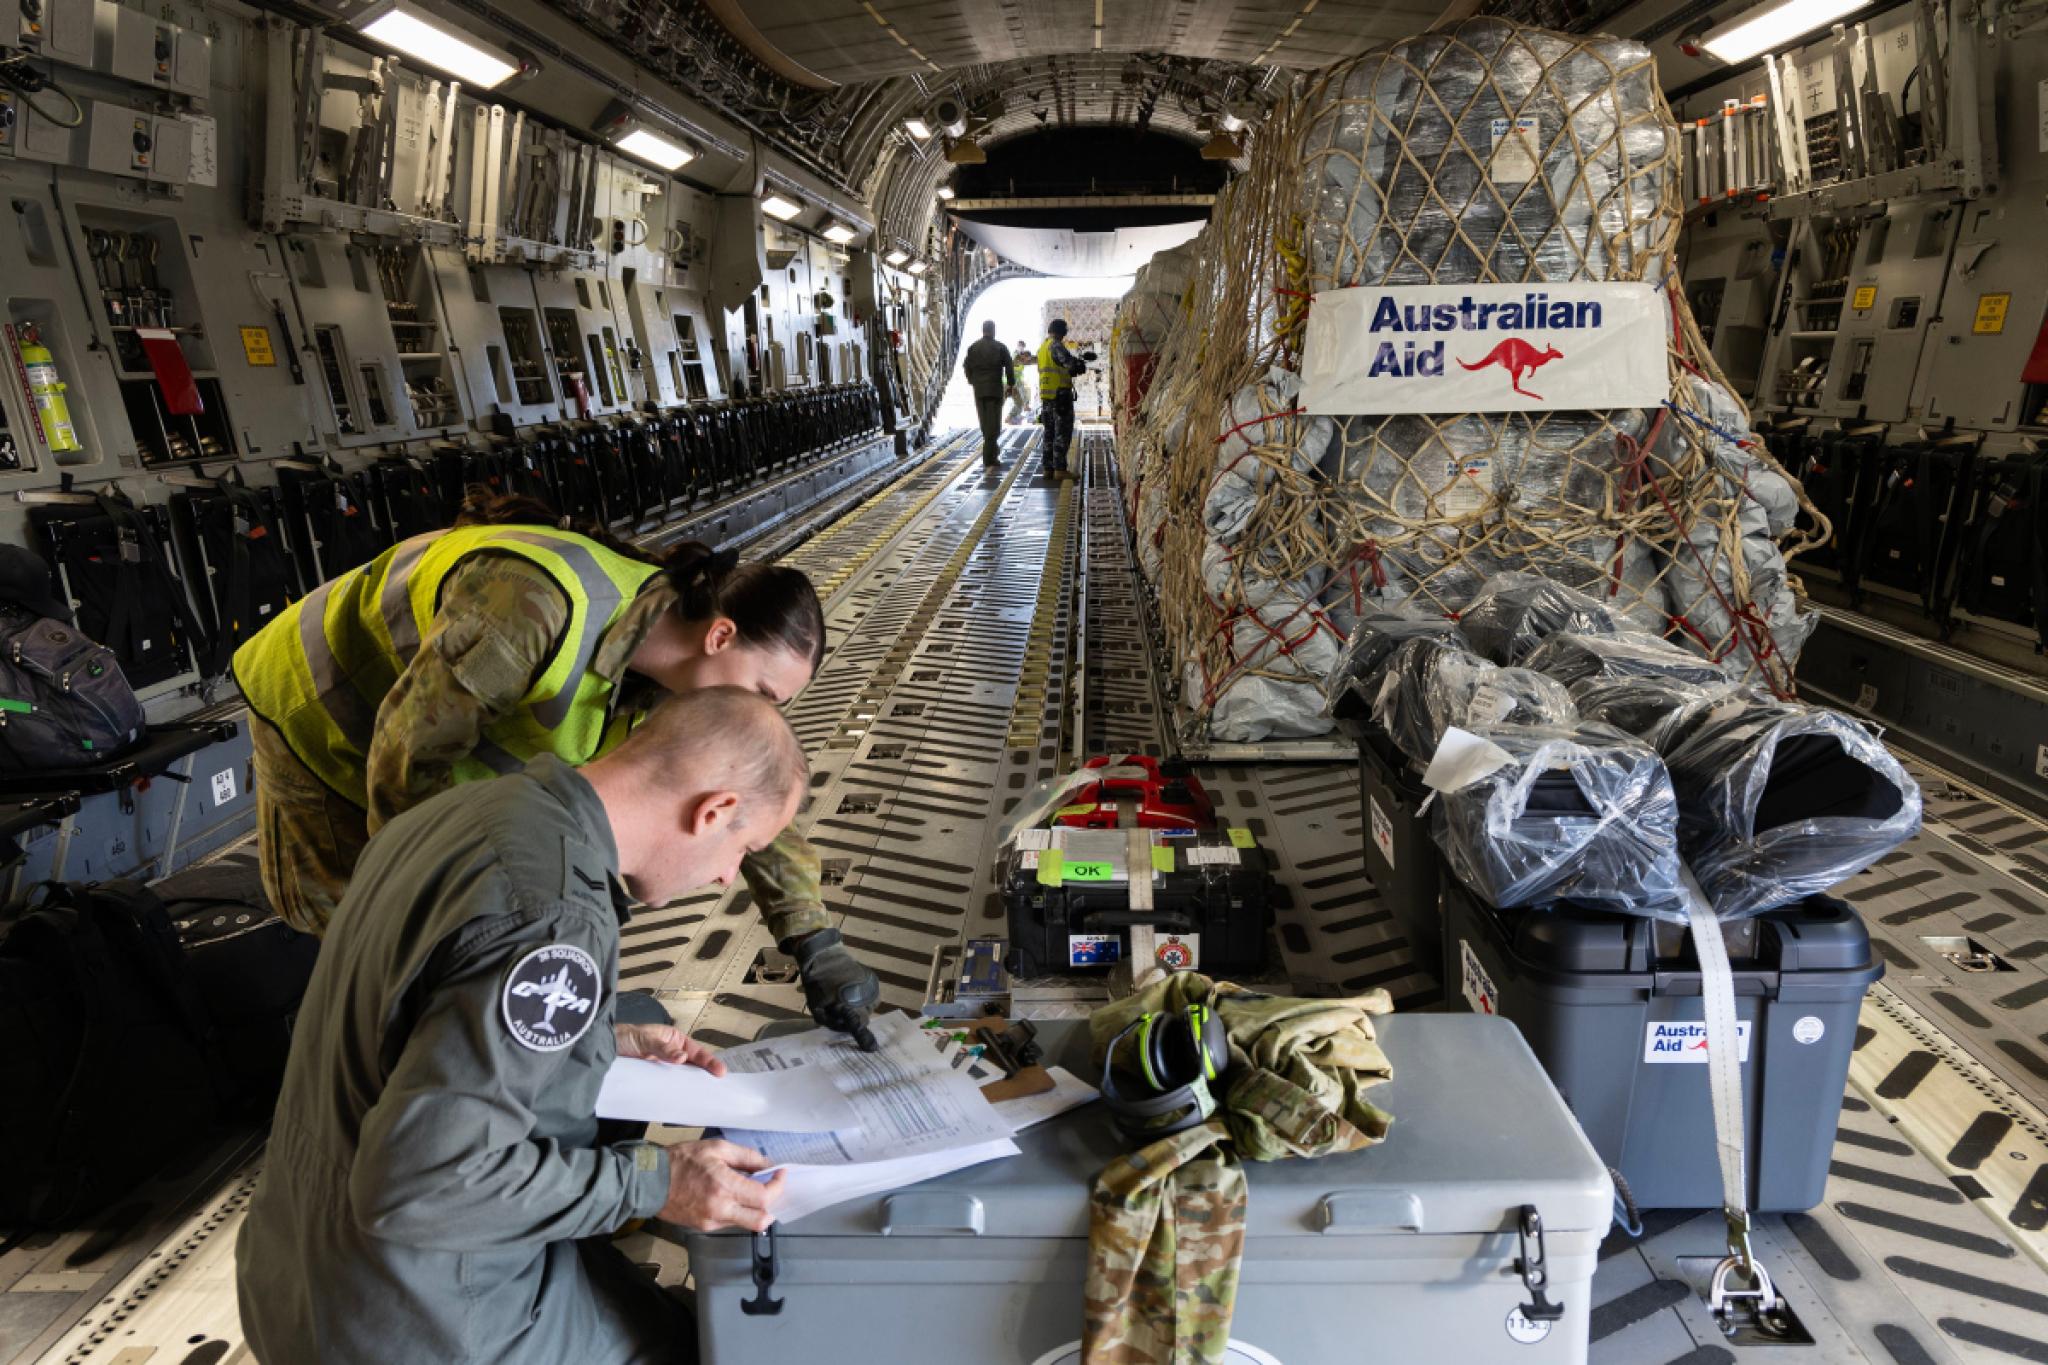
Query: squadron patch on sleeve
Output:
(551,997)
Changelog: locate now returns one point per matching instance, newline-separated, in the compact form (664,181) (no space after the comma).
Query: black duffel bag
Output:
(104,1027)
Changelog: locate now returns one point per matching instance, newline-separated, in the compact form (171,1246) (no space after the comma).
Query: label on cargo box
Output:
(1809,1029)
(1467,487)
(1473,980)
(1089,872)
(1382,830)
(223,786)
(1094,950)
(1426,348)
(1686,1041)
(1179,952)
(1212,855)
(1516,155)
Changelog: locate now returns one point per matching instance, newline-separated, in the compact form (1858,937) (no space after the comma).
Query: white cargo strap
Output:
(1724,1079)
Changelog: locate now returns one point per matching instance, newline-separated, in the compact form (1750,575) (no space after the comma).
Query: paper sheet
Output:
(802,1099)
(906,1098)
(811,1188)
(1461,759)
(1068,1092)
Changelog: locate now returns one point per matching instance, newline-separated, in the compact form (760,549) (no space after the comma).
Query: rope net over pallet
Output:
(1266,532)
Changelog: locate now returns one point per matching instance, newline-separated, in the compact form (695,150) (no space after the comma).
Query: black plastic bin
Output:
(1611,1006)
(1400,857)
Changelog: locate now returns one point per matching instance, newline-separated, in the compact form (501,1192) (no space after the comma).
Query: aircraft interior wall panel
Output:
(38,286)
(1903,259)
(1998,287)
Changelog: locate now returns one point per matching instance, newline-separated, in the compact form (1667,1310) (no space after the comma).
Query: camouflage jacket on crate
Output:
(499,620)
(1166,1223)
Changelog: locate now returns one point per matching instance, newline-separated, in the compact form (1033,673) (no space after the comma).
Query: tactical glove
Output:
(838,990)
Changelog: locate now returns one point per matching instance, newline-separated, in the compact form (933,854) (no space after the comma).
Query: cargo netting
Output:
(1266,533)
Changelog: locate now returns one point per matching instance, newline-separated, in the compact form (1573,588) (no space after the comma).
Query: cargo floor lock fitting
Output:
(1760,1300)
(1533,1270)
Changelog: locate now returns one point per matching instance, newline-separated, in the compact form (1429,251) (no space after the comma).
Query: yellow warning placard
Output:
(256,346)
(1991,314)
(1865,299)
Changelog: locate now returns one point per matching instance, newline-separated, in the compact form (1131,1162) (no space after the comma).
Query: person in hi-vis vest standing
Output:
(1057,369)
(466,653)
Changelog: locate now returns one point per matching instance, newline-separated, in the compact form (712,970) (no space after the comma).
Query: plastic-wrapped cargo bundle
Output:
(1779,801)
(1432,684)
(1513,613)
(1580,812)
(1280,645)
(1379,632)
(1490,152)
(1573,659)
(1659,711)
(1483,152)
(1703,582)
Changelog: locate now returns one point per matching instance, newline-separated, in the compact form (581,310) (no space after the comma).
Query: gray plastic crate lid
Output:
(1478,1132)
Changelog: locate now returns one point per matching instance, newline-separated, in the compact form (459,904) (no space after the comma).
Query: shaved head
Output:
(707,778)
(723,737)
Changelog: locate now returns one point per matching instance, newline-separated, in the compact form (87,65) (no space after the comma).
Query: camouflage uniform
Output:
(1166,1223)
(498,623)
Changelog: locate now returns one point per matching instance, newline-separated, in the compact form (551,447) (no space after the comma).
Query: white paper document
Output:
(802,1098)
(907,1100)
(808,1189)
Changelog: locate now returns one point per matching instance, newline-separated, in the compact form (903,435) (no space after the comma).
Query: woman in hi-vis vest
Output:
(462,654)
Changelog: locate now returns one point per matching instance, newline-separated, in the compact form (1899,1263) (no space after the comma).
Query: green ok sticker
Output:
(1089,872)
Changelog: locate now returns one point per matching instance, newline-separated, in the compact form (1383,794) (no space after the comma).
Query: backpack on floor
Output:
(108,1049)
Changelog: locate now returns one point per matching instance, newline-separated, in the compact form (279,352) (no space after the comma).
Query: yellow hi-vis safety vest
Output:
(319,671)
(1052,376)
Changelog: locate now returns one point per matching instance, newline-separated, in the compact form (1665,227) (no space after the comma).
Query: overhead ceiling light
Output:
(838,233)
(655,150)
(918,267)
(407,29)
(945,191)
(918,128)
(1775,26)
(775,206)
(897,257)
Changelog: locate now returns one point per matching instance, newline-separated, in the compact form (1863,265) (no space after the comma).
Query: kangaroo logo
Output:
(1518,358)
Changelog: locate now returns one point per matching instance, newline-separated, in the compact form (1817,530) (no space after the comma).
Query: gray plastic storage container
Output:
(1400,857)
(1401,1252)
(1611,1005)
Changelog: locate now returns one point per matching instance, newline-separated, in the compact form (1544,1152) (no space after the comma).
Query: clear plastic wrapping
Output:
(1779,801)
(1431,684)
(1572,658)
(1379,632)
(1654,710)
(1513,613)
(1579,812)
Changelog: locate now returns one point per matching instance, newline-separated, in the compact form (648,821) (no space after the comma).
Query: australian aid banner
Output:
(1485,348)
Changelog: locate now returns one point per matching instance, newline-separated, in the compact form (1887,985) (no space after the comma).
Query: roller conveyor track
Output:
(970,655)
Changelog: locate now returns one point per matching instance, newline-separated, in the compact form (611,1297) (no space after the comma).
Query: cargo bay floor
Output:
(986,627)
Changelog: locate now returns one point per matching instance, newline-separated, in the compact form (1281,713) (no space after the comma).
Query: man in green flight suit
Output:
(435,1188)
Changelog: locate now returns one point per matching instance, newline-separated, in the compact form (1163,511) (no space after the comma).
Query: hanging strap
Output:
(1724,1079)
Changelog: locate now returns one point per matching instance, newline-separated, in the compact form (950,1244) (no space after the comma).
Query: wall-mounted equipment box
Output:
(132,142)
(148,51)
(57,30)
